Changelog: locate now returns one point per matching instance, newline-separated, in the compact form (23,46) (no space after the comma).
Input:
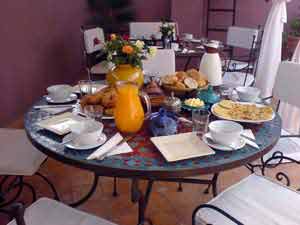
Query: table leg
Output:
(137,196)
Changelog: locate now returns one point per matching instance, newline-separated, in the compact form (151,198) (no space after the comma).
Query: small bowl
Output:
(225,132)
(248,94)
(87,132)
(59,92)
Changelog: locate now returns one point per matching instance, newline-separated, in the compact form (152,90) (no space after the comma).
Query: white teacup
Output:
(59,92)
(225,132)
(248,94)
(86,132)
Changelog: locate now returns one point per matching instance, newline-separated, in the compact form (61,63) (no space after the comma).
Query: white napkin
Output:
(248,133)
(123,148)
(54,111)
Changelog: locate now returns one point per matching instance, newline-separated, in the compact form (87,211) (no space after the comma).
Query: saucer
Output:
(240,143)
(102,139)
(71,98)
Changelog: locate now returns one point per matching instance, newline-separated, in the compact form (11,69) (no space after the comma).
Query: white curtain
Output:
(291,114)
(270,54)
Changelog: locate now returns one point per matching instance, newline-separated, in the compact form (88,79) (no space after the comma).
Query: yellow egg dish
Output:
(194,102)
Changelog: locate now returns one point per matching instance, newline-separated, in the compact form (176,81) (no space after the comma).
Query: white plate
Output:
(240,144)
(60,124)
(71,98)
(102,139)
(181,146)
(243,121)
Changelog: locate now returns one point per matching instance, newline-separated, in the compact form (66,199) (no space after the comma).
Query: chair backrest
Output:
(145,30)
(287,82)
(161,64)
(242,37)
(93,39)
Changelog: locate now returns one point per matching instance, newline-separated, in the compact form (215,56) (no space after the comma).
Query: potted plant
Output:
(167,31)
(127,59)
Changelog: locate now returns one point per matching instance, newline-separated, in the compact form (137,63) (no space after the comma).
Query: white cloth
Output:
(287,90)
(296,56)
(290,113)
(104,149)
(255,200)
(49,212)
(18,156)
(270,53)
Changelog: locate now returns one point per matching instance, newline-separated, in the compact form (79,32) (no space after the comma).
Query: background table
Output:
(146,162)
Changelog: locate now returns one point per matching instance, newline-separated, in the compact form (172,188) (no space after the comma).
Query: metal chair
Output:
(254,200)
(49,212)
(161,64)
(240,70)
(286,90)
(19,159)
(95,58)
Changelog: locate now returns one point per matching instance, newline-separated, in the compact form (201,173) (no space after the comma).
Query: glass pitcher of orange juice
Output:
(129,113)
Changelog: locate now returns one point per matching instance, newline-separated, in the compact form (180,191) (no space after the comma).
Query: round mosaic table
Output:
(146,162)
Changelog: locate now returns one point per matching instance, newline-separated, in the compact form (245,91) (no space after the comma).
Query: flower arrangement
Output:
(121,51)
(167,29)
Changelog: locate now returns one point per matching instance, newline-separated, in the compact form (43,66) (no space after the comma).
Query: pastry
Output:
(190,83)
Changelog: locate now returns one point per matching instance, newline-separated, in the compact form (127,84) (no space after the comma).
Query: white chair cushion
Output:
(236,64)
(290,147)
(235,79)
(255,200)
(101,68)
(90,37)
(18,156)
(49,212)
(161,64)
(241,37)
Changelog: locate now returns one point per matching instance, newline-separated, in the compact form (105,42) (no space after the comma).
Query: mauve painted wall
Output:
(40,45)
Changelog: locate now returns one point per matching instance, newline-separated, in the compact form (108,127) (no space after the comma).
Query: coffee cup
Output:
(86,132)
(59,92)
(225,132)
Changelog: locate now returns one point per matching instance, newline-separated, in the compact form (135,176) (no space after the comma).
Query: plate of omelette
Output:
(243,112)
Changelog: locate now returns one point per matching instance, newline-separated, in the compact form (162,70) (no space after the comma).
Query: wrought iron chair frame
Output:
(251,59)
(278,157)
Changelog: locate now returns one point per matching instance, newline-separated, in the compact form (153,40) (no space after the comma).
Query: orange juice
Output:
(129,113)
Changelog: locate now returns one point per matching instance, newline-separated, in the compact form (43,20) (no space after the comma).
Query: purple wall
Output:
(40,46)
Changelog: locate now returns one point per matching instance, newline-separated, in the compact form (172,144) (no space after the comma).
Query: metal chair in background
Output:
(239,70)
(19,159)
(161,64)
(95,59)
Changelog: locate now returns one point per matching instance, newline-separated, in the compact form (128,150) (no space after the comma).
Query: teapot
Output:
(129,113)
(211,64)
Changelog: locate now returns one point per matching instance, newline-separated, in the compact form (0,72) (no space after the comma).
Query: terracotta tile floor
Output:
(166,205)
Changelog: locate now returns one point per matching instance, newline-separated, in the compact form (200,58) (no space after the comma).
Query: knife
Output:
(53,106)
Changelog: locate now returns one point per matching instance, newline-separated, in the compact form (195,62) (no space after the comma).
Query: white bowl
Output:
(225,132)
(248,94)
(86,132)
(59,92)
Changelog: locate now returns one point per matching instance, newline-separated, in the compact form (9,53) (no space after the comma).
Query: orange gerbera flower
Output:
(127,49)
